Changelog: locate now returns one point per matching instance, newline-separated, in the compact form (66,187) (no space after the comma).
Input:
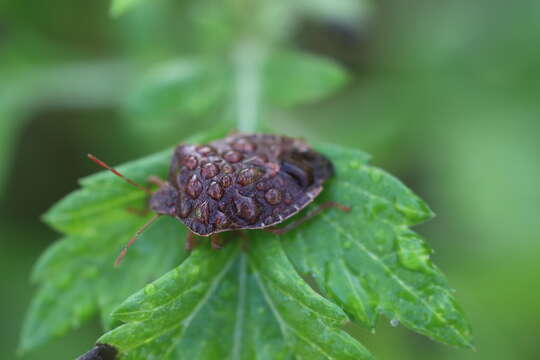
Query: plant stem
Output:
(248,58)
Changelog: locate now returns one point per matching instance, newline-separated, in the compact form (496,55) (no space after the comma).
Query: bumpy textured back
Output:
(244,181)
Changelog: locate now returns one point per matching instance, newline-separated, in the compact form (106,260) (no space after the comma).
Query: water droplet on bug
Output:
(394,322)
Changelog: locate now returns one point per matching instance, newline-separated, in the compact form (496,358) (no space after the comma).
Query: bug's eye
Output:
(297,166)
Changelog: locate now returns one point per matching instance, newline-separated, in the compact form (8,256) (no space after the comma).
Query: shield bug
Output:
(244,181)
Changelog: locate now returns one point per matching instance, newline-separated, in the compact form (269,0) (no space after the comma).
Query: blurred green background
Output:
(445,95)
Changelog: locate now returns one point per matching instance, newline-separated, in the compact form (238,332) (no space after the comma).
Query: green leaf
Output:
(266,310)
(309,323)
(176,89)
(240,318)
(79,279)
(187,88)
(248,296)
(293,78)
(51,315)
(119,7)
(172,301)
(369,261)
(76,274)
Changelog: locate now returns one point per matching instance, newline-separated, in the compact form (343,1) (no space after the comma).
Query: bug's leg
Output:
(312,213)
(138,212)
(156,181)
(133,239)
(215,241)
(191,242)
(244,240)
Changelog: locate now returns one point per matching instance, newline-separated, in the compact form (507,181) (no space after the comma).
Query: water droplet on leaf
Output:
(150,289)
(413,253)
(375,175)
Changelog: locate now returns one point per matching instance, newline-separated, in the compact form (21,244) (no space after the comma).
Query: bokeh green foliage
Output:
(444,95)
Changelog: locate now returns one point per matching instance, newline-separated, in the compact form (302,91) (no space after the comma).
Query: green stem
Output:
(248,58)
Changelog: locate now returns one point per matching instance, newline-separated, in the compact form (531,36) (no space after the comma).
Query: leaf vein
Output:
(210,291)
(282,324)
(350,281)
(237,336)
(396,278)
(300,302)
(370,194)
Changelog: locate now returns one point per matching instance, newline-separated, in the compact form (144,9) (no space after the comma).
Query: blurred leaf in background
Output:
(121,6)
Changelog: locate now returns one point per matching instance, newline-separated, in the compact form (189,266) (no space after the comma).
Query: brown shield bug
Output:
(244,181)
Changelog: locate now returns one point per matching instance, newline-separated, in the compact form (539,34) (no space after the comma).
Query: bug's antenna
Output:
(133,239)
(115,172)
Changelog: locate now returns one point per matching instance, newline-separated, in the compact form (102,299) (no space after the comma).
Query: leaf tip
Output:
(463,337)
(468,340)
(28,342)
(46,218)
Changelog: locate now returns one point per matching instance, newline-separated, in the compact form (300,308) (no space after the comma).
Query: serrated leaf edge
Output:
(186,322)
(398,280)
(426,215)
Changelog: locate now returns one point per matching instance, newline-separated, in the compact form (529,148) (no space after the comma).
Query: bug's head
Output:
(164,200)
